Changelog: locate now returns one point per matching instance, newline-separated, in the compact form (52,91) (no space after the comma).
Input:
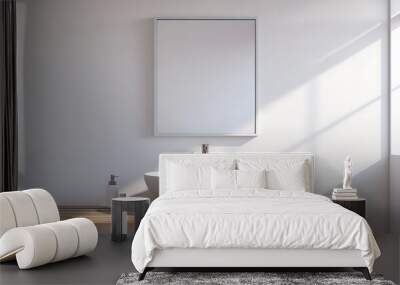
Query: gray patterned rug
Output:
(269,278)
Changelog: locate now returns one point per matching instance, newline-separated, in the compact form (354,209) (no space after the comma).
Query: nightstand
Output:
(357,205)
(121,206)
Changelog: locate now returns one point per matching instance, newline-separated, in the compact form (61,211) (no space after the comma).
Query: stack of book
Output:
(344,194)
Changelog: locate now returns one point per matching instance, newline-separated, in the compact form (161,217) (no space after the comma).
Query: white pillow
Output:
(282,174)
(293,178)
(223,179)
(251,178)
(188,177)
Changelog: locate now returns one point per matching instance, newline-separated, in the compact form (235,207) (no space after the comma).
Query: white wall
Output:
(322,75)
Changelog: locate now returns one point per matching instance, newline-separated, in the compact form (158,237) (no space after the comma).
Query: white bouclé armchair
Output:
(31,230)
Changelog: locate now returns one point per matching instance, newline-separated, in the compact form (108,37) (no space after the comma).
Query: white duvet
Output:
(251,218)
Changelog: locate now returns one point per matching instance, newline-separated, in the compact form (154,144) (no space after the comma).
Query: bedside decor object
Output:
(348,165)
(204,148)
(121,207)
(112,189)
(152,182)
(347,192)
(344,194)
(31,231)
(358,205)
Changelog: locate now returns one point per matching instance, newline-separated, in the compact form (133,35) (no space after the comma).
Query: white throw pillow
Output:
(223,179)
(282,174)
(188,177)
(292,178)
(251,178)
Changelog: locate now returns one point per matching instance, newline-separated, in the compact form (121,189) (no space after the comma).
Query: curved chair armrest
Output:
(40,244)
(32,246)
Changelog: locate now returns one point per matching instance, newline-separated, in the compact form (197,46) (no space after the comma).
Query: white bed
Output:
(202,220)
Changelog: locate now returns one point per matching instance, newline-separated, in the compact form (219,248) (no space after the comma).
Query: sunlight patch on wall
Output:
(291,110)
(358,135)
(338,112)
(348,107)
(395,85)
(353,41)
(349,85)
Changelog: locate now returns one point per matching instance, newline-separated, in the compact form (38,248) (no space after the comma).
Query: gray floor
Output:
(111,259)
(103,266)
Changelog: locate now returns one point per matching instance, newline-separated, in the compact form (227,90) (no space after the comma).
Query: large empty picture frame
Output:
(205,77)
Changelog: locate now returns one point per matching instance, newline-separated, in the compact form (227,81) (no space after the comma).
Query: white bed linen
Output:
(251,218)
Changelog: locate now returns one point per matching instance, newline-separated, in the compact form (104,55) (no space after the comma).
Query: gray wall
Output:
(88,92)
(395,133)
(395,115)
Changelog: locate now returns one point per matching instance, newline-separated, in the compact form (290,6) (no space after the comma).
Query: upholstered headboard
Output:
(232,160)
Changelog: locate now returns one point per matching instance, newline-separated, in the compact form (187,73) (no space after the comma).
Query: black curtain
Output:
(8,99)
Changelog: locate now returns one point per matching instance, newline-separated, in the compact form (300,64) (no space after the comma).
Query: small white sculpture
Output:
(348,165)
